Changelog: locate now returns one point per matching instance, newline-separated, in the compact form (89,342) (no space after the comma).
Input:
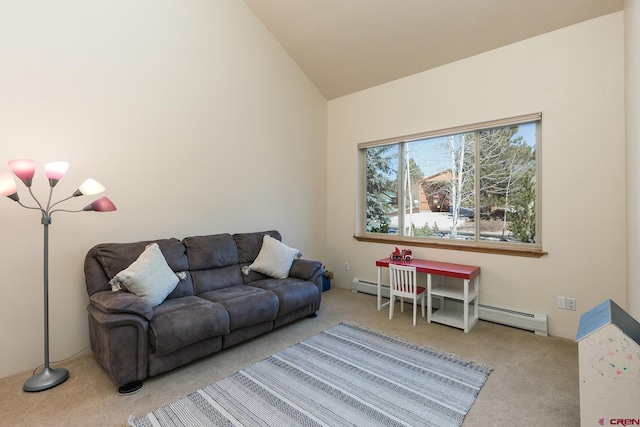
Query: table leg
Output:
(466,306)
(429,301)
(476,305)
(379,296)
(379,299)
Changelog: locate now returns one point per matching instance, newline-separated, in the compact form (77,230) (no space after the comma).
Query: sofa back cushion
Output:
(105,260)
(249,244)
(214,262)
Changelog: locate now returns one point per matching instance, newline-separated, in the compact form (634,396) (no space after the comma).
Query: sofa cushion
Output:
(182,321)
(292,293)
(213,251)
(249,244)
(274,259)
(214,262)
(216,278)
(149,277)
(246,305)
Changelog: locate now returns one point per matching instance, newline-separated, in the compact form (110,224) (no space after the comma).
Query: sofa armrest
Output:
(110,302)
(310,271)
(306,269)
(120,343)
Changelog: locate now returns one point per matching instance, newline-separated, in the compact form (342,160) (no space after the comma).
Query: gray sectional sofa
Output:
(219,300)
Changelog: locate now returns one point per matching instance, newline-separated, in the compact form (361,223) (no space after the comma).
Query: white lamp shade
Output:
(56,170)
(90,187)
(7,184)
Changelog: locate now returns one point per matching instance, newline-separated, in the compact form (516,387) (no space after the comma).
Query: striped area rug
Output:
(347,375)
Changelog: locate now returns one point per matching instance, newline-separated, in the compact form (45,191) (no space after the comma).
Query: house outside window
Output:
(472,185)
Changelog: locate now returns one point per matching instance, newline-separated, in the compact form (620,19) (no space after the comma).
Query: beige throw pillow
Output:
(149,277)
(275,258)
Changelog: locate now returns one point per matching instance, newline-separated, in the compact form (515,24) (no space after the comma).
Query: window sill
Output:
(476,247)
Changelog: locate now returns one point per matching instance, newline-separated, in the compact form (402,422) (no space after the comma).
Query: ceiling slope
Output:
(345,46)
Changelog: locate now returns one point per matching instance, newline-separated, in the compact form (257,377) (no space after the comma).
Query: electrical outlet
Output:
(346,266)
(571,304)
(561,302)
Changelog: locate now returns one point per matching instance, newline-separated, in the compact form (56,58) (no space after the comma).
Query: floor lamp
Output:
(25,169)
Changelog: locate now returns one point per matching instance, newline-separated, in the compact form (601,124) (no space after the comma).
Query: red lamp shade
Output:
(23,169)
(103,204)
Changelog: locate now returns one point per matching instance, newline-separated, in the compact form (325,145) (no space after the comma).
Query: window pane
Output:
(507,184)
(439,186)
(381,189)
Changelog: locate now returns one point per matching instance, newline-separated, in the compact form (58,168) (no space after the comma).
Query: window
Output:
(474,185)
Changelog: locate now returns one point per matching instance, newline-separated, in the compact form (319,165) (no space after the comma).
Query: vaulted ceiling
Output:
(345,46)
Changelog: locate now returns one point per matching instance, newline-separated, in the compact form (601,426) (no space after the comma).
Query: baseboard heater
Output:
(535,322)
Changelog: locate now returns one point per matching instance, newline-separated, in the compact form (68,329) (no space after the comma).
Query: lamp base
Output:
(46,379)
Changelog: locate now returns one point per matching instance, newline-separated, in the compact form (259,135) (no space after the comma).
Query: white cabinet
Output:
(464,291)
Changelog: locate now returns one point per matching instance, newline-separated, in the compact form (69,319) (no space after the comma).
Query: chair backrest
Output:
(403,278)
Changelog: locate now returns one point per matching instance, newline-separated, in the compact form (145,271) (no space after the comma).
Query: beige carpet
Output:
(534,382)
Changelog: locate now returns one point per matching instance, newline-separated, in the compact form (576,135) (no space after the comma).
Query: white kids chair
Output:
(404,284)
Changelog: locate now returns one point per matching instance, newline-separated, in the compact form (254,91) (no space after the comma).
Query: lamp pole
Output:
(49,377)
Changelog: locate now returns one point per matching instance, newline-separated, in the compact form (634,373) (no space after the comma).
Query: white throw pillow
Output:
(149,277)
(275,258)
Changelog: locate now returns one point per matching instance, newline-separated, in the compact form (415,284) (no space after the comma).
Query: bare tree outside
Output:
(461,149)
(507,173)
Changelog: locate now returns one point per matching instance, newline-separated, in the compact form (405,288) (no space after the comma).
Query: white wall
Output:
(189,112)
(575,77)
